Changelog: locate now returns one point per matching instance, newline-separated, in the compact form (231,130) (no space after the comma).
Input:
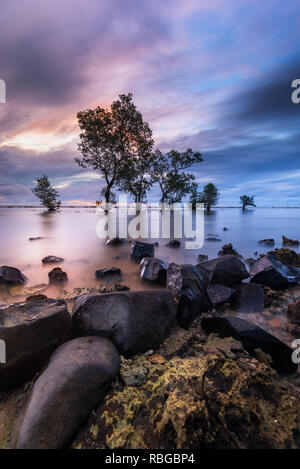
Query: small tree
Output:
(209,196)
(47,194)
(168,172)
(247,200)
(111,138)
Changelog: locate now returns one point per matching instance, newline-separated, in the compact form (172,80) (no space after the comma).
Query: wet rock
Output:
(294,311)
(76,380)
(134,321)
(132,375)
(10,276)
(269,271)
(219,294)
(250,261)
(140,250)
(267,242)
(197,402)
(212,238)
(31,331)
(206,274)
(249,298)
(156,244)
(289,242)
(114,242)
(154,270)
(253,337)
(52,260)
(228,249)
(102,273)
(174,243)
(287,256)
(187,285)
(114,287)
(38,238)
(225,229)
(226,270)
(38,297)
(57,275)
(202,258)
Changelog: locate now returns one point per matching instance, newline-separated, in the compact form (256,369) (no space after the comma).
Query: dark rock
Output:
(228,249)
(219,294)
(294,311)
(249,298)
(31,331)
(102,273)
(57,275)
(269,271)
(206,274)
(202,258)
(52,260)
(11,276)
(114,242)
(156,244)
(76,380)
(38,238)
(287,256)
(253,337)
(250,261)
(226,270)
(174,243)
(267,242)
(154,270)
(112,288)
(187,285)
(212,238)
(289,242)
(37,297)
(225,229)
(134,321)
(140,250)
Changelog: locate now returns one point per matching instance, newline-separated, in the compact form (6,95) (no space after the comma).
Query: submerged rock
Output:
(10,276)
(202,258)
(114,242)
(187,285)
(174,243)
(52,260)
(271,272)
(154,270)
(267,242)
(289,242)
(253,337)
(134,321)
(219,294)
(228,249)
(38,238)
(205,402)
(226,270)
(102,273)
(57,275)
(140,250)
(77,378)
(249,298)
(31,331)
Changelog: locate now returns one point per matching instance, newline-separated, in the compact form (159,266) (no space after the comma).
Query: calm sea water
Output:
(71,234)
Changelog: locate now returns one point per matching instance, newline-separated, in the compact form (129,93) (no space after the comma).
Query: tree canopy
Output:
(209,196)
(247,200)
(47,195)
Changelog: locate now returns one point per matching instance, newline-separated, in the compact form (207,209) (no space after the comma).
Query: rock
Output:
(250,261)
(114,242)
(156,244)
(212,238)
(102,273)
(253,337)
(52,260)
(225,229)
(206,402)
(187,285)
(57,275)
(31,331)
(202,258)
(228,249)
(38,238)
(289,242)
(114,287)
(38,297)
(226,270)
(10,276)
(154,270)
(134,321)
(249,298)
(267,242)
(294,311)
(287,256)
(206,274)
(132,375)
(219,294)
(269,271)
(76,380)
(174,243)
(140,250)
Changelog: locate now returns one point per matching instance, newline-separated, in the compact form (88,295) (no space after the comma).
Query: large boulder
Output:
(140,250)
(219,294)
(154,270)
(31,332)
(289,242)
(249,298)
(287,256)
(57,276)
(10,276)
(76,379)
(271,272)
(107,272)
(253,337)
(226,270)
(134,321)
(187,285)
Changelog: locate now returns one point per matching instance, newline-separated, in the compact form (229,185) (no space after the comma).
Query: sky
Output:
(211,75)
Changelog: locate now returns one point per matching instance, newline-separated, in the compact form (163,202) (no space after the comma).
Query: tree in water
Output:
(247,200)
(47,194)
(209,196)
(169,173)
(111,139)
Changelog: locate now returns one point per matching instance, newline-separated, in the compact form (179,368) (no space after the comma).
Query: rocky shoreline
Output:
(204,362)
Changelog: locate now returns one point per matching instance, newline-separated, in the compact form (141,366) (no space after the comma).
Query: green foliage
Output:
(209,196)
(111,140)
(47,194)
(247,200)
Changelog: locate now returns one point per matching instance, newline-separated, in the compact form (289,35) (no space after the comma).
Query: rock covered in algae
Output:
(209,401)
